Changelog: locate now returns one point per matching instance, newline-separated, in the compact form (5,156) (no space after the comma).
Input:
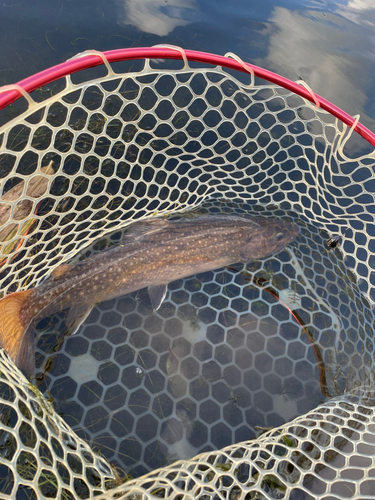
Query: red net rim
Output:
(90,60)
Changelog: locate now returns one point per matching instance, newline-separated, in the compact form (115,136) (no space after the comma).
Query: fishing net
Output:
(263,369)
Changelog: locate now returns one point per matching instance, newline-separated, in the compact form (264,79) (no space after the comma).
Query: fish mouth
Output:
(291,231)
(291,227)
(294,228)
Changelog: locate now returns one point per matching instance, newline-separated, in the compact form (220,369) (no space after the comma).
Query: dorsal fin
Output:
(144,227)
(59,271)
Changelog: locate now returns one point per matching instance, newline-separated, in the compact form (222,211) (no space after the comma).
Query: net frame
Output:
(90,59)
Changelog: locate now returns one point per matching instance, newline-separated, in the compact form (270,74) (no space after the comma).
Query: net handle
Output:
(73,65)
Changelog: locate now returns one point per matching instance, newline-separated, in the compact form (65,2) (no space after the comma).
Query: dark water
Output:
(330,44)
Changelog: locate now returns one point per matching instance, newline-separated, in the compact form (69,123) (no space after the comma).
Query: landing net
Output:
(265,370)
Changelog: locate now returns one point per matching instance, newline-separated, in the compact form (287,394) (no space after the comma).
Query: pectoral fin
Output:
(77,316)
(157,295)
(59,271)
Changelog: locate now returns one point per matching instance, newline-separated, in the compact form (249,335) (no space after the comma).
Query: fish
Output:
(153,253)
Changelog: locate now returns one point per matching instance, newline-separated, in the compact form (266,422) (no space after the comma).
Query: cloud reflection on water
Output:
(158,17)
(360,12)
(306,45)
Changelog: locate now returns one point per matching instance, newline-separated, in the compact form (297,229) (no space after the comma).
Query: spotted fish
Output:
(152,254)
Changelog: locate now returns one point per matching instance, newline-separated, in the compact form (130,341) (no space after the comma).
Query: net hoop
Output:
(94,58)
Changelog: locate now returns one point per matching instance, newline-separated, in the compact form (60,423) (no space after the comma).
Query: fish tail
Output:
(14,336)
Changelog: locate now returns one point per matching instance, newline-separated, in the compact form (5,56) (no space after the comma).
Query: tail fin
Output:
(14,337)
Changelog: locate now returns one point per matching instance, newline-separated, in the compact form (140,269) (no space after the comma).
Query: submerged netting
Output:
(231,353)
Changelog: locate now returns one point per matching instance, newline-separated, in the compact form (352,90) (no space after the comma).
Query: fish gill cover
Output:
(230,353)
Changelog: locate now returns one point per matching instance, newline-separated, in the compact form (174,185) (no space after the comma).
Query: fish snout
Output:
(293,229)
(284,235)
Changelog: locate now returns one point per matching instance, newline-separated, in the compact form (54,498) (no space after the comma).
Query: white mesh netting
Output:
(230,353)
(40,455)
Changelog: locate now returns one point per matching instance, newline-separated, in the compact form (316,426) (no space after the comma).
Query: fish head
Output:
(268,237)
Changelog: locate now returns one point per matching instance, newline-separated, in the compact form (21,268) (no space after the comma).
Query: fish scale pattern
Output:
(231,353)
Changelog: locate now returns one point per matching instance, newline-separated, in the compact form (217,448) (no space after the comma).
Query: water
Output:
(328,44)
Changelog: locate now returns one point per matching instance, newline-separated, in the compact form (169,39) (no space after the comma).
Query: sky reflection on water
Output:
(330,44)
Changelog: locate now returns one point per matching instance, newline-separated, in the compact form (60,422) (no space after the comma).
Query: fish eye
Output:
(279,236)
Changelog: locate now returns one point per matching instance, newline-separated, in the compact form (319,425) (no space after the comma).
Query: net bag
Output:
(262,373)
